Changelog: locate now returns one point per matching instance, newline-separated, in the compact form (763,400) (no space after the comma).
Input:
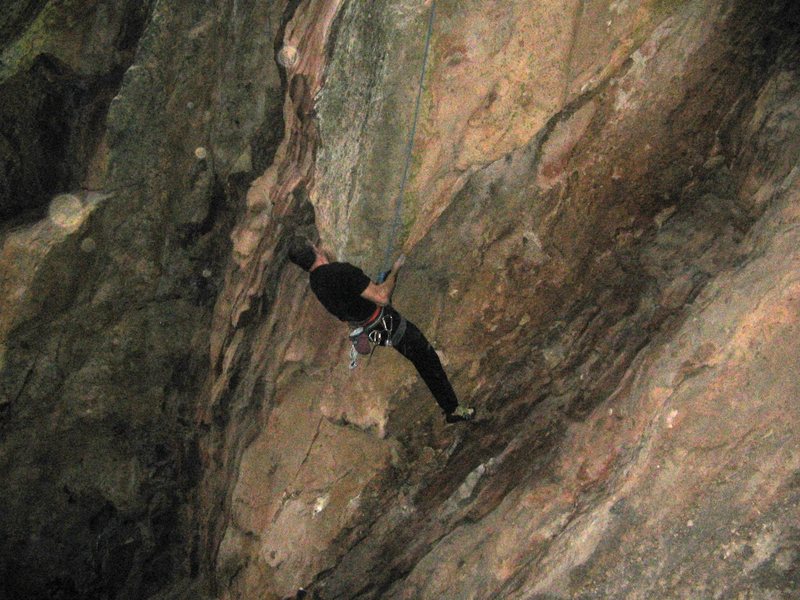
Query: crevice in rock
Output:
(48,142)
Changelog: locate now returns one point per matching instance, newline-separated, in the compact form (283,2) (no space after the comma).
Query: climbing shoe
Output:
(461,413)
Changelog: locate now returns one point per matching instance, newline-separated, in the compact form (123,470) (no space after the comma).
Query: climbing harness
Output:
(378,330)
(398,206)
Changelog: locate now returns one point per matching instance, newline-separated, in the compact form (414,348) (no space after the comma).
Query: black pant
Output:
(416,348)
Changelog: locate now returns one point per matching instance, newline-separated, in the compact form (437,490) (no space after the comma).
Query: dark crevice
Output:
(133,25)
(51,122)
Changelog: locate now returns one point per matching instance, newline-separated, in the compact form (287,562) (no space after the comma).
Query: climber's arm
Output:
(381,293)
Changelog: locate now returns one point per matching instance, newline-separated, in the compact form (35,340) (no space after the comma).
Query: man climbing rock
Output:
(349,295)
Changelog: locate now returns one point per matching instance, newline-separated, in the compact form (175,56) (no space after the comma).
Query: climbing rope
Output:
(398,207)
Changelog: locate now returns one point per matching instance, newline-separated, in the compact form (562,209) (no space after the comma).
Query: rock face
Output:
(602,227)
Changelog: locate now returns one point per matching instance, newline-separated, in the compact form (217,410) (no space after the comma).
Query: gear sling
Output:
(378,330)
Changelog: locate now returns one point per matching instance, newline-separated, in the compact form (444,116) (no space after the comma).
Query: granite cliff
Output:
(601,222)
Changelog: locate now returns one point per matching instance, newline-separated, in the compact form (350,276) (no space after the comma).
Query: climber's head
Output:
(302,252)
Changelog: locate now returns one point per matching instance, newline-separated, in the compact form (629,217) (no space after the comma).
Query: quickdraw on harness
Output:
(378,330)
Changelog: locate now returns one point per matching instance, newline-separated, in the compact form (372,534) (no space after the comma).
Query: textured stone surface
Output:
(569,240)
(601,221)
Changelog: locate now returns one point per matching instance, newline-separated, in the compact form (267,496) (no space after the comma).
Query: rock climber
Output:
(349,295)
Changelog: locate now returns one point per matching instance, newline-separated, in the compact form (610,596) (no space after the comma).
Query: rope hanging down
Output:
(398,207)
